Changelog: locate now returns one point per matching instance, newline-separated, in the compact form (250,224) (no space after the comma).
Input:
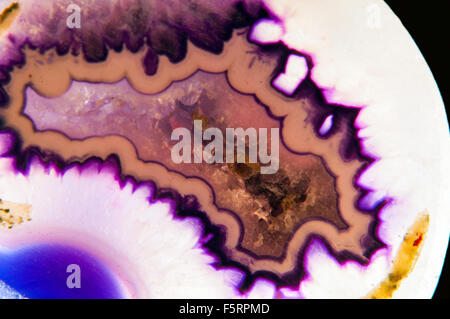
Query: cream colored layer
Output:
(51,76)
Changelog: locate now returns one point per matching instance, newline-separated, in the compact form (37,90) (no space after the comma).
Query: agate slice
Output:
(216,149)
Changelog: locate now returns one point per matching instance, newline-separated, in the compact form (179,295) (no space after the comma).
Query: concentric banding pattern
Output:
(115,187)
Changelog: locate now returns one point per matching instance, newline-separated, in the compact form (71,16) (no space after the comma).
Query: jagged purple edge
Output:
(213,237)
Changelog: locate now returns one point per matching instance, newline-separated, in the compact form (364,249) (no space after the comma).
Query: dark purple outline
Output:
(187,206)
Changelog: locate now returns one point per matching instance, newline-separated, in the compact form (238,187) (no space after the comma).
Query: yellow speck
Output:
(12,214)
(8,15)
(405,260)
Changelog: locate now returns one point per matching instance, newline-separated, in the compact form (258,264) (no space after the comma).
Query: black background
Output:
(428,25)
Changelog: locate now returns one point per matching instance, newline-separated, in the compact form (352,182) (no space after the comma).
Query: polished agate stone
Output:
(88,175)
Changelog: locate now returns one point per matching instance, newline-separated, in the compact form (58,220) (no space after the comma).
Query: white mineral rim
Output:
(363,56)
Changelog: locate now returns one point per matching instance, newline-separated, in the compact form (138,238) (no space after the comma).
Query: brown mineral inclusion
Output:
(270,206)
(123,111)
